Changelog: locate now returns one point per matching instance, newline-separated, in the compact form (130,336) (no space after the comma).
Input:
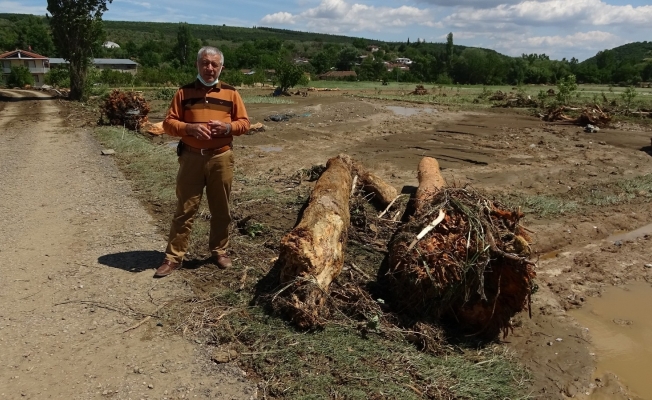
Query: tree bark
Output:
(430,182)
(312,254)
(384,193)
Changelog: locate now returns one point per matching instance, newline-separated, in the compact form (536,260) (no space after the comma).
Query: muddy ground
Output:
(502,152)
(508,154)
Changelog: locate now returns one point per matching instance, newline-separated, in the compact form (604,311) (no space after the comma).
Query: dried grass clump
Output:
(473,266)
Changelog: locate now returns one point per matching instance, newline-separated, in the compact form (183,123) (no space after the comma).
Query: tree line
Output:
(166,53)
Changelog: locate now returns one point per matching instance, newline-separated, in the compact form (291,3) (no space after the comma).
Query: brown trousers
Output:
(196,172)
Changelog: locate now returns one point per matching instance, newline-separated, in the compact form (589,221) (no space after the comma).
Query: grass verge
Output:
(612,193)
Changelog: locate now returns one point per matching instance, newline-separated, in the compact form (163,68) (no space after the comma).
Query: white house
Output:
(111,45)
(403,60)
(37,64)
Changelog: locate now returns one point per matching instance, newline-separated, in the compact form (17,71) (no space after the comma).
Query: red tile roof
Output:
(23,54)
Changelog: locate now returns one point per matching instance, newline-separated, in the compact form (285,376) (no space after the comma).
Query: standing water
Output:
(620,324)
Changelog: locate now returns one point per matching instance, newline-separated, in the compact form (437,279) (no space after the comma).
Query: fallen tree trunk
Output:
(430,182)
(312,254)
(383,192)
(460,256)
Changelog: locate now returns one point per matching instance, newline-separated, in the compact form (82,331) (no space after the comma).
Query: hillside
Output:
(636,52)
(156,47)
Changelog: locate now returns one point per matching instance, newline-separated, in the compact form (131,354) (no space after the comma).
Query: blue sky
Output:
(559,28)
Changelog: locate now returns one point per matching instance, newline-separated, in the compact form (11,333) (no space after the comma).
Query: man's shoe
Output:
(222,261)
(166,268)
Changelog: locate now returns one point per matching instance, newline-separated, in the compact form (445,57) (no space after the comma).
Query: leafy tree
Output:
(371,70)
(115,78)
(77,26)
(566,88)
(19,77)
(322,61)
(288,75)
(449,51)
(34,33)
(346,58)
(186,48)
(233,77)
(58,76)
(646,74)
(628,97)
(359,43)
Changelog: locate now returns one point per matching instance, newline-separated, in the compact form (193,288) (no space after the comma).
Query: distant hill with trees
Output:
(165,54)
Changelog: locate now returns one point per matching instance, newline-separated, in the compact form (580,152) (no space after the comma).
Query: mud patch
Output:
(409,111)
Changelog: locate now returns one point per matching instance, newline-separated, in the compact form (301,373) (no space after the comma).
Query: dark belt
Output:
(207,152)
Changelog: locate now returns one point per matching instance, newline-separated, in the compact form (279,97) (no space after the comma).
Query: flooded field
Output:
(586,200)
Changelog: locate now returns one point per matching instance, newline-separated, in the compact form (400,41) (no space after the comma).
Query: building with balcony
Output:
(37,64)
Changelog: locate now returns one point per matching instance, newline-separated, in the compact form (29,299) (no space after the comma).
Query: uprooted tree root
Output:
(472,266)
(589,116)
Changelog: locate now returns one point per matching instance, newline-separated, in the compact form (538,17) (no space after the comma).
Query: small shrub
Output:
(19,77)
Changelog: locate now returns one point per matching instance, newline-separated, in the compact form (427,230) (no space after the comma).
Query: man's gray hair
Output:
(210,51)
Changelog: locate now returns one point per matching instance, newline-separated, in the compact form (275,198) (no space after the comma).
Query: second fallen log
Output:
(312,254)
(383,192)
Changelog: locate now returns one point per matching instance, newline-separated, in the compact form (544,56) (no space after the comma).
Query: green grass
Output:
(588,196)
(152,167)
(266,100)
(548,206)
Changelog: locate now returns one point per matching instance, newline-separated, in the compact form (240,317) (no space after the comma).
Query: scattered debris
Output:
(153,129)
(280,117)
(419,90)
(224,356)
(594,116)
(257,127)
(591,129)
(314,89)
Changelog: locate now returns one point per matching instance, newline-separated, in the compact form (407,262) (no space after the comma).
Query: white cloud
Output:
(553,12)
(14,7)
(279,18)
(578,44)
(469,3)
(142,4)
(335,16)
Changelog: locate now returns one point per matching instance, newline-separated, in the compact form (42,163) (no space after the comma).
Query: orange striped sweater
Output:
(196,103)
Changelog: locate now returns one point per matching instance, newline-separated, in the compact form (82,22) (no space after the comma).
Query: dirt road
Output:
(76,253)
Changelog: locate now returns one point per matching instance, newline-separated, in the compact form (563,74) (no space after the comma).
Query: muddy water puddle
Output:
(620,325)
(633,235)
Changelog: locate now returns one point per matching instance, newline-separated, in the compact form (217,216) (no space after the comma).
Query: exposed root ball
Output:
(472,266)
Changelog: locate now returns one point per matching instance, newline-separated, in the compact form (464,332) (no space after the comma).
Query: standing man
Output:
(205,114)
